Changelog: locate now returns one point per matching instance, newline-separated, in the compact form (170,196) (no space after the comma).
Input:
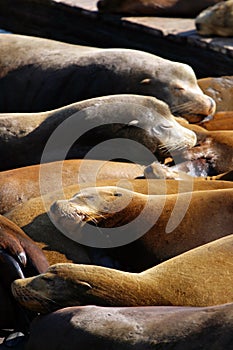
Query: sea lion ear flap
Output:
(146,81)
(82,286)
(133,122)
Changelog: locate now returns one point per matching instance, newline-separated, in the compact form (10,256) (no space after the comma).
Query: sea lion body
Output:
(151,328)
(199,277)
(32,217)
(19,185)
(145,120)
(19,257)
(220,121)
(216,20)
(92,73)
(173,8)
(220,89)
(149,231)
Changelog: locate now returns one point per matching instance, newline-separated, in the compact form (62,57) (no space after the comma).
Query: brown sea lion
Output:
(220,89)
(220,121)
(216,20)
(216,147)
(167,8)
(150,328)
(32,216)
(33,64)
(146,229)
(19,185)
(199,277)
(143,119)
(15,246)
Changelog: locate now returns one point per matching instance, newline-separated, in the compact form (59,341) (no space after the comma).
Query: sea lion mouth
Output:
(31,299)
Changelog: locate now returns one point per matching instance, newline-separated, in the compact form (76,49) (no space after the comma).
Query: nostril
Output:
(53,207)
(198,26)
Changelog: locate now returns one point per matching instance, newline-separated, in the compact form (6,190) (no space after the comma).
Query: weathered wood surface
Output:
(77,21)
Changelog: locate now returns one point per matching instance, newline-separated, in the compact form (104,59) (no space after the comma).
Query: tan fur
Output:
(200,277)
(110,207)
(32,216)
(216,20)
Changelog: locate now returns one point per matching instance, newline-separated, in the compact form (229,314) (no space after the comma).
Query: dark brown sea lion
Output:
(142,119)
(150,328)
(220,89)
(216,20)
(33,64)
(32,216)
(167,8)
(146,228)
(15,246)
(216,147)
(199,277)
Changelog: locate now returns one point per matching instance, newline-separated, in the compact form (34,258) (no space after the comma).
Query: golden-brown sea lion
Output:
(62,73)
(150,328)
(199,277)
(142,119)
(33,218)
(146,229)
(19,185)
(220,121)
(174,8)
(216,20)
(220,89)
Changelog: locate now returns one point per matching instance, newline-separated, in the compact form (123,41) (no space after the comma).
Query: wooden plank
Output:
(77,21)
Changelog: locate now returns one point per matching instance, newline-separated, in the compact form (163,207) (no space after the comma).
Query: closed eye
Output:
(166,126)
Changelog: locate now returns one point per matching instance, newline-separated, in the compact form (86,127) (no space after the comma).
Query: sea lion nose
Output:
(53,208)
(100,5)
(198,26)
(212,107)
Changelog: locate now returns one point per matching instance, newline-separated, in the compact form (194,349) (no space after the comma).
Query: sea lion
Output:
(220,89)
(220,121)
(199,277)
(216,147)
(19,257)
(145,120)
(146,229)
(150,328)
(167,8)
(19,185)
(216,20)
(32,64)
(33,219)
(14,241)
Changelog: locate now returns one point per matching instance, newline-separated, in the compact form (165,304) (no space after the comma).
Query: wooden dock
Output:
(78,22)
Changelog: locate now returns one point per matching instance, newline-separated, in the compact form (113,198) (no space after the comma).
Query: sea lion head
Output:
(58,287)
(216,20)
(106,206)
(162,130)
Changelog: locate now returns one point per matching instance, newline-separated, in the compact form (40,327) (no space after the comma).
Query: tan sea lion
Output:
(167,8)
(33,64)
(33,219)
(146,229)
(145,120)
(220,89)
(19,185)
(220,121)
(150,328)
(199,277)
(216,20)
